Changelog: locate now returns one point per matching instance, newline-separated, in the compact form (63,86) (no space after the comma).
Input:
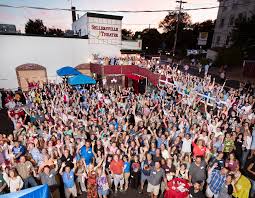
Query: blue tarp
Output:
(81,79)
(41,191)
(67,71)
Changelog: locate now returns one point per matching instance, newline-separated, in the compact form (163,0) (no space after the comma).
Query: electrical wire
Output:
(122,11)
(106,11)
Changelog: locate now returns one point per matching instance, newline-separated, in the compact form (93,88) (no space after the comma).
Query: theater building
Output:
(95,34)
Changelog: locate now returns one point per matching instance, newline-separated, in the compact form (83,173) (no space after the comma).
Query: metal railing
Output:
(204,98)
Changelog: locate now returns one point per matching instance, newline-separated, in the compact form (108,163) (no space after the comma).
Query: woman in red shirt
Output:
(198,148)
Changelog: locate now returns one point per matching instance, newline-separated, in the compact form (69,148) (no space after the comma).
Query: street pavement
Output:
(229,83)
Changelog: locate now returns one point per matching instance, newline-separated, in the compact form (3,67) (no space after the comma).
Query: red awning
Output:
(134,77)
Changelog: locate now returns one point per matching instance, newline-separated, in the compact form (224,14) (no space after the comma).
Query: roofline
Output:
(36,35)
(105,16)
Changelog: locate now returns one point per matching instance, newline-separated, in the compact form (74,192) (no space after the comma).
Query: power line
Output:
(114,11)
(123,11)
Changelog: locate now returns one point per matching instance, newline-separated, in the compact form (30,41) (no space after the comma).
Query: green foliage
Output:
(170,21)
(151,40)
(188,33)
(229,56)
(55,32)
(126,34)
(243,36)
(38,28)
(35,27)
(242,43)
(204,61)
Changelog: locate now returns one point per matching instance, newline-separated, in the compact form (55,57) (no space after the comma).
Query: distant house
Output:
(7,28)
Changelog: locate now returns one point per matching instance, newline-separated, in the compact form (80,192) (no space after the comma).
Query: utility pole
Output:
(178,22)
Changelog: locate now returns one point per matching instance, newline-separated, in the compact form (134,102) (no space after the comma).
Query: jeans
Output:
(244,157)
(252,191)
(31,181)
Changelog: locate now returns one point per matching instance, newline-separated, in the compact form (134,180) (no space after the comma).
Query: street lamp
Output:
(146,49)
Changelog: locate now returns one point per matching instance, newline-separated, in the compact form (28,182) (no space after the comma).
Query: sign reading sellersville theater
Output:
(106,31)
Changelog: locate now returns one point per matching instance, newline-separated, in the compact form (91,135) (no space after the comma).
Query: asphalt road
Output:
(229,83)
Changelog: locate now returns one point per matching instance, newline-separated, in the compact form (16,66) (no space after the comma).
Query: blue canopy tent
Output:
(68,71)
(81,79)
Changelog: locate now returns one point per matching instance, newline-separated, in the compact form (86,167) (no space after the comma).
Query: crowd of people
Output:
(168,142)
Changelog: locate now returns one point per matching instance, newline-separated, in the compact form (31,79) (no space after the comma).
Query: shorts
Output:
(209,193)
(144,178)
(153,189)
(102,192)
(71,191)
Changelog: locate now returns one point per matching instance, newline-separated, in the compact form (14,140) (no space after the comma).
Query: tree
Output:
(35,27)
(229,56)
(243,36)
(206,26)
(151,40)
(55,32)
(170,21)
(137,35)
(126,34)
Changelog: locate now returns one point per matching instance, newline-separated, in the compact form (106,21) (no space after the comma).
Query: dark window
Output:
(218,40)
(227,40)
(231,20)
(234,6)
(222,22)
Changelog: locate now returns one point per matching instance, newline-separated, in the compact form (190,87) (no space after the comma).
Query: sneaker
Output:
(121,190)
(116,190)
(140,191)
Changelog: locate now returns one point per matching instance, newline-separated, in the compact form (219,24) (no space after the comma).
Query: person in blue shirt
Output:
(18,150)
(68,180)
(127,166)
(86,152)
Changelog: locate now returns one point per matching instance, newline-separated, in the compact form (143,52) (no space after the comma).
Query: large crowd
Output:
(168,142)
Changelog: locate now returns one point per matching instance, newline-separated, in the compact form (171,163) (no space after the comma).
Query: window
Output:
(231,20)
(218,40)
(222,22)
(227,40)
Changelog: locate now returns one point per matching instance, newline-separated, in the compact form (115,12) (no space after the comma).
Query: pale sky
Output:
(63,19)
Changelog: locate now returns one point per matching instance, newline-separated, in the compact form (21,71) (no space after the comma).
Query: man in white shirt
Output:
(186,144)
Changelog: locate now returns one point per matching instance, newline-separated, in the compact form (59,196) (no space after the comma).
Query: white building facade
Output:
(99,34)
(229,11)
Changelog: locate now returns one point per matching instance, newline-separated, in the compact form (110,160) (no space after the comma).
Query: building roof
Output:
(30,66)
(104,16)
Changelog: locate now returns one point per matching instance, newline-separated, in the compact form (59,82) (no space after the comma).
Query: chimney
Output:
(73,14)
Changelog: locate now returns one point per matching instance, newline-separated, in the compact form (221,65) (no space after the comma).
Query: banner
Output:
(41,191)
(202,39)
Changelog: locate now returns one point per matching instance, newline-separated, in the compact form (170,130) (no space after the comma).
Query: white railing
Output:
(203,96)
